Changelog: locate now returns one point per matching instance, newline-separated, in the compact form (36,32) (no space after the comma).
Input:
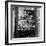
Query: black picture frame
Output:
(6,23)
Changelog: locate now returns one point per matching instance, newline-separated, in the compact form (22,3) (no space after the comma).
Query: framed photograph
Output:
(24,22)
